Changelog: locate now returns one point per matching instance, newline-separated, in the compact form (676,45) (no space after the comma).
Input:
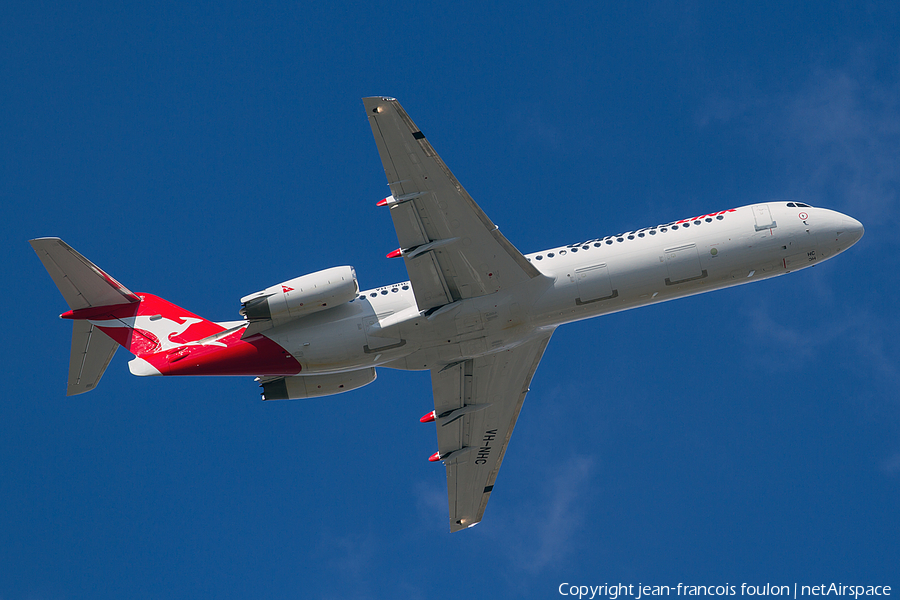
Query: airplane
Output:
(476,312)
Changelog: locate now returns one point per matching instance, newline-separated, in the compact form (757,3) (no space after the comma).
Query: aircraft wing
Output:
(477,402)
(451,248)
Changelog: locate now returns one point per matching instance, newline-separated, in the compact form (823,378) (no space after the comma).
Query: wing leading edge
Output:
(451,248)
(476,403)
(453,252)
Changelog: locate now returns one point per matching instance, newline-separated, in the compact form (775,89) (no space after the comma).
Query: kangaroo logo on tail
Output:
(156,329)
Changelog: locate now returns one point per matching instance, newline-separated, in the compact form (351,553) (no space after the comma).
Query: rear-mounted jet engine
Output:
(301,296)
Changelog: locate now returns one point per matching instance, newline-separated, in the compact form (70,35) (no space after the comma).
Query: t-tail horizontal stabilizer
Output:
(83,286)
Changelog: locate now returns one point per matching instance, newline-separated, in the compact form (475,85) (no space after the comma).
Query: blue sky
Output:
(203,152)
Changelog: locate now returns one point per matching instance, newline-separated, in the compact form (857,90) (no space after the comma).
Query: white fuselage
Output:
(383,326)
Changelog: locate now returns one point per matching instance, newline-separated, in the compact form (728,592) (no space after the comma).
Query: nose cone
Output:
(852,231)
(836,232)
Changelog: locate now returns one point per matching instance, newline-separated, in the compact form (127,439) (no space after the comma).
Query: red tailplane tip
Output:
(435,457)
(395,253)
(427,418)
(382,202)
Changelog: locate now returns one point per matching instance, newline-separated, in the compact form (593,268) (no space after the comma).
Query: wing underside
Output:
(453,252)
(477,402)
(451,248)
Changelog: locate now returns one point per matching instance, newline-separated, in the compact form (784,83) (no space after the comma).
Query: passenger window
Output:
(539,257)
(652,232)
(720,217)
(708,220)
(550,255)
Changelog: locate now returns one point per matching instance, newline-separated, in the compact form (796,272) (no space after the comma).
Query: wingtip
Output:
(379,104)
(38,241)
(462,525)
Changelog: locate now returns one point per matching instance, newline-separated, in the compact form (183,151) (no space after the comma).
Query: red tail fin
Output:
(166,339)
(149,326)
(143,324)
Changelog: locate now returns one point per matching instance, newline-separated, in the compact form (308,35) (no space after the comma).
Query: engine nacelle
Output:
(313,386)
(301,296)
